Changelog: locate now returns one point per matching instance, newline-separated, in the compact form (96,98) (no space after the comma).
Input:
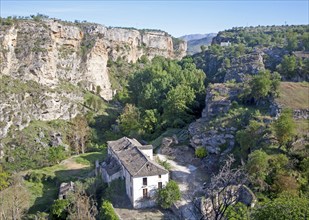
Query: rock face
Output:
(249,63)
(219,98)
(19,108)
(216,139)
(50,51)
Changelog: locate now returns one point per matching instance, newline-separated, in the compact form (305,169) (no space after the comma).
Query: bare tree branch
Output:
(223,190)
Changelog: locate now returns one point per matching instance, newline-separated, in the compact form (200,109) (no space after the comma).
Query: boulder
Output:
(246,196)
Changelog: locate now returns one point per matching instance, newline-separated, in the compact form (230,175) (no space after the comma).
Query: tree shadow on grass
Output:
(50,185)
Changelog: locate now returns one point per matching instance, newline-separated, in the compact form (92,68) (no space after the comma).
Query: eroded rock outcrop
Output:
(216,138)
(248,64)
(20,106)
(49,51)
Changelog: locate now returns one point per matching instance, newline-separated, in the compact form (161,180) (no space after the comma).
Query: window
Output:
(145,181)
(131,191)
(145,193)
(159,185)
(160,176)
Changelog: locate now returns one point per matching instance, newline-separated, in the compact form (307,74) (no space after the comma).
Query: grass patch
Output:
(302,126)
(44,193)
(294,95)
(90,158)
(70,170)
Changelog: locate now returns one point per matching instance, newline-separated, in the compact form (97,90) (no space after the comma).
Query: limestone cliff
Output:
(26,101)
(49,51)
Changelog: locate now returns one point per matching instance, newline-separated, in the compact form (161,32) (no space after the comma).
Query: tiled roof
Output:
(111,165)
(132,158)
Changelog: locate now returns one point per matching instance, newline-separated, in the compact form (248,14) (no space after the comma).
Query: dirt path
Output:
(188,172)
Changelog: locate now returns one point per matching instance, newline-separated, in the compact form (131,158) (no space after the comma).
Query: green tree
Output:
(305,40)
(304,165)
(168,195)
(129,120)
(56,154)
(167,93)
(287,206)
(288,65)
(79,134)
(227,62)
(150,120)
(291,41)
(239,211)
(284,127)
(59,209)
(107,211)
(240,50)
(278,163)
(249,137)
(275,83)
(258,167)
(261,85)
(178,100)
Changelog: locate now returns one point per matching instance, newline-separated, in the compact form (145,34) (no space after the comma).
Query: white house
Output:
(225,44)
(130,160)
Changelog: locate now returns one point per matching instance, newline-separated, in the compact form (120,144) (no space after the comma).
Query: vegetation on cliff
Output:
(248,112)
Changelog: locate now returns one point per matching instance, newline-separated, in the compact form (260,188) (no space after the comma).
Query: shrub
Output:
(200,152)
(284,207)
(107,211)
(59,209)
(284,127)
(164,163)
(4,179)
(168,195)
(34,177)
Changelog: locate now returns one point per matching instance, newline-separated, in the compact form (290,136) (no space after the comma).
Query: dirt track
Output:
(188,172)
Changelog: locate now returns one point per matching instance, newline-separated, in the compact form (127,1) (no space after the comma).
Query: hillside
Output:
(277,48)
(195,41)
(242,104)
(251,114)
(190,37)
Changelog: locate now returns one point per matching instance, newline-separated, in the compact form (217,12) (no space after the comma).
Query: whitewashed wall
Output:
(152,186)
(148,153)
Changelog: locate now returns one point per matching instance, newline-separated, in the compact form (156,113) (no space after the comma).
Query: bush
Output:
(168,195)
(35,177)
(164,163)
(107,211)
(284,127)
(284,207)
(200,152)
(59,209)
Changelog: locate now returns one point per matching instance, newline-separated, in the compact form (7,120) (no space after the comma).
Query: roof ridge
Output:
(143,156)
(148,160)
(141,168)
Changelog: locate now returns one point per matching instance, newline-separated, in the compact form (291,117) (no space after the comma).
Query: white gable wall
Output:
(148,153)
(152,186)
